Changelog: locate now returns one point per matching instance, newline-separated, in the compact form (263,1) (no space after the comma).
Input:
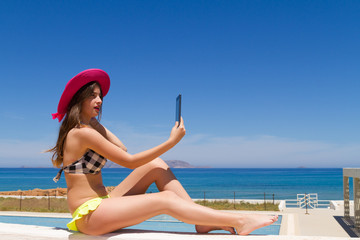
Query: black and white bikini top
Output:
(90,162)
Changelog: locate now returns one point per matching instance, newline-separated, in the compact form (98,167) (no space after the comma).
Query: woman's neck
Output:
(85,121)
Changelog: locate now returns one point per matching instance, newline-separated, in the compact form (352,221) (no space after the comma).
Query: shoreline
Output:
(36,192)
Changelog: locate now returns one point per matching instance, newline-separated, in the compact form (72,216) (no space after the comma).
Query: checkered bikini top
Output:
(91,162)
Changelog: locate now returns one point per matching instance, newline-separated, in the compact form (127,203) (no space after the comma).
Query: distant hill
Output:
(171,163)
(178,164)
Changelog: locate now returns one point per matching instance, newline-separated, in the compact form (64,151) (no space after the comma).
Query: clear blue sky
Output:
(264,83)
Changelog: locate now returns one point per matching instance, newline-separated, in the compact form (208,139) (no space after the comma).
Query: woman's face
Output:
(91,106)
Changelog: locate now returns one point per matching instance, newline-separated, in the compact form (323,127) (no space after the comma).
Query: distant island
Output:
(171,163)
(178,164)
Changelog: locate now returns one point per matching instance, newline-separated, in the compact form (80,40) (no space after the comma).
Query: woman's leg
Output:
(159,172)
(119,212)
(142,177)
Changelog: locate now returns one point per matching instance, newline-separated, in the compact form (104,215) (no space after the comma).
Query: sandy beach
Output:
(42,192)
(37,192)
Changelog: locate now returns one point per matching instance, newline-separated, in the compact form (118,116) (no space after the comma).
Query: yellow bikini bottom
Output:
(83,210)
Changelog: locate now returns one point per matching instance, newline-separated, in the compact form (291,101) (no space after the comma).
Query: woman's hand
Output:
(177,132)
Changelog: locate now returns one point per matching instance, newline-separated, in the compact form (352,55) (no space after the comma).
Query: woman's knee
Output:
(158,163)
(169,194)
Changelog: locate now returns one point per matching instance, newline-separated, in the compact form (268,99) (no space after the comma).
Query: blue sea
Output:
(241,183)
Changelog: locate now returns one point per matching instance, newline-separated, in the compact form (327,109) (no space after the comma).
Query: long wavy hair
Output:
(72,120)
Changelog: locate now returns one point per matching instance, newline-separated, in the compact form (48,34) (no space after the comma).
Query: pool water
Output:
(158,223)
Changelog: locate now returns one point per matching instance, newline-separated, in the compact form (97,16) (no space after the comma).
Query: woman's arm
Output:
(92,139)
(107,134)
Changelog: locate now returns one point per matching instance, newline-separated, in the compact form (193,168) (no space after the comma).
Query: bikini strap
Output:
(57,177)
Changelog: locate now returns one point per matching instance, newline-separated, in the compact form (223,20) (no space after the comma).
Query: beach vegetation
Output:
(59,205)
(242,205)
(44,204)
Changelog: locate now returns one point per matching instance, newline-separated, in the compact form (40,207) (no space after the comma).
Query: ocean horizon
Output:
(217,183)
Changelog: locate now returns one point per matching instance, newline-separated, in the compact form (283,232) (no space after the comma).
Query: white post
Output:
(357,202)
(346,198)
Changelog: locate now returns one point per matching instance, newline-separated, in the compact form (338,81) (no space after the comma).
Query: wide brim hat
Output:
(81,79)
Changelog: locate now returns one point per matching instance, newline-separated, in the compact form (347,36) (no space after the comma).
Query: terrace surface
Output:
(296,224)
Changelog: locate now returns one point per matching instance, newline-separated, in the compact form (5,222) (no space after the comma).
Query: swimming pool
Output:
(158,223)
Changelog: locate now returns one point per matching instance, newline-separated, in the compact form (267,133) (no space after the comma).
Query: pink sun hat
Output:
(89,75)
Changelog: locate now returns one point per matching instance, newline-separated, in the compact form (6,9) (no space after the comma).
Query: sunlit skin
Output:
(128,204)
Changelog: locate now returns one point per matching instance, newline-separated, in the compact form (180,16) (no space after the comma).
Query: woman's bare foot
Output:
(250,223)
(206,229)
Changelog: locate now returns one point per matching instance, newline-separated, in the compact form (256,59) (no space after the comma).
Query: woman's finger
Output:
(181,122)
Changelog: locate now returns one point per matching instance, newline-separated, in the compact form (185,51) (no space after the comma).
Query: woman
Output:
(84,145)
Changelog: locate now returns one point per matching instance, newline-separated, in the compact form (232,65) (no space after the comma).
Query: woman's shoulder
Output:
(83,132)
(82,138)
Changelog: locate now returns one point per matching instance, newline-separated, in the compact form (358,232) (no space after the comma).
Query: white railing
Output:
(310,201)
(307,200)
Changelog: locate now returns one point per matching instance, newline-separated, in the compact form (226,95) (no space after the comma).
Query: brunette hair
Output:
(72,120)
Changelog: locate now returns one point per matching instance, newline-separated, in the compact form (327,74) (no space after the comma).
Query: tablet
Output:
(178,109)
